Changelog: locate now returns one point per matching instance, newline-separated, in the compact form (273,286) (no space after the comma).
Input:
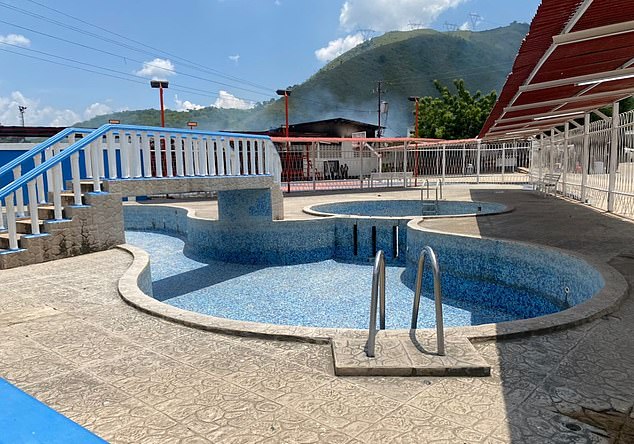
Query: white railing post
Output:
(168,155)
(37,161)
(503,161)
(147,154)
(158,157)
(261,145)
(614,156)
(478,158)
(19,197)
(13,234)
(87,161)
(252,148)
(564,176)
(202,152)
(95,152)
(235,160)
(178,147)
(112,155)
(196,155)
(541,156)
(221,157)
(585,157)
(125,149)
(76,178)
(35,221)
(444,161)
(189,156)
(57,193)
(551,158)
(405,146)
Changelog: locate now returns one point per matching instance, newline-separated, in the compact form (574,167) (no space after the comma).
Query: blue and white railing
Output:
(33,158)
(127,152)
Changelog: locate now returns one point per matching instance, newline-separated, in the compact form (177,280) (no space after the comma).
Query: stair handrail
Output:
(100,132)
(40,148)
(377,298)
(440,334)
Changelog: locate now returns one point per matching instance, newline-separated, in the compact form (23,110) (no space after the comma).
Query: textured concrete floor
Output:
(71,342)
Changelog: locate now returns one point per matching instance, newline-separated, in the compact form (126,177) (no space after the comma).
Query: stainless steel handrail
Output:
(440,331)
(378,289)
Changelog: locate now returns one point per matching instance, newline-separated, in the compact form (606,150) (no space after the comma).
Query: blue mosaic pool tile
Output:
(491,280)
(245,206)
(403,208)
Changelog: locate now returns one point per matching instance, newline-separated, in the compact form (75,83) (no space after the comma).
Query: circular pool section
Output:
(406,208)
(330,293)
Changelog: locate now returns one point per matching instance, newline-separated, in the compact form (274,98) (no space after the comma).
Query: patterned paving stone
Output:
(133,378)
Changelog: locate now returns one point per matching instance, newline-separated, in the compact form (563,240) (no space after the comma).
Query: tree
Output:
(454,116)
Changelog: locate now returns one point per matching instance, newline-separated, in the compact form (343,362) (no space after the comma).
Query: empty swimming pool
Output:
(326,293)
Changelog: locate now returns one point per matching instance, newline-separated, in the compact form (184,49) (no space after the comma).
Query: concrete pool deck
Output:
(71,342)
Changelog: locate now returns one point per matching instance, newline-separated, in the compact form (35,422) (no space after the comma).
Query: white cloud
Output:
(15,39)
(96,109)
(185,105)
(466,26)
(337,47)
(157,69)
(228,100)
(277,3)
(37,114)
(390,15)
(235,58)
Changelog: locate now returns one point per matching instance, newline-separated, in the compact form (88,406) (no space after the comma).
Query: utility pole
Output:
(22,108)
(379,90)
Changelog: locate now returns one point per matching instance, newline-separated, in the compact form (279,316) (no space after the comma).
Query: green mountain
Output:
(406,63)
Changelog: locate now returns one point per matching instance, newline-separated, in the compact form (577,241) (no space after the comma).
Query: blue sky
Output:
(226,53)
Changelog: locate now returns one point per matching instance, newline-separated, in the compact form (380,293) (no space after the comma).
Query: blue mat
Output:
(25,420)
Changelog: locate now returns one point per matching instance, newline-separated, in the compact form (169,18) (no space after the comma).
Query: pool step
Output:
(429,208)
(403,354)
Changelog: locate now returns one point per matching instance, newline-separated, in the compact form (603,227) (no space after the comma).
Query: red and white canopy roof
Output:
(577,57)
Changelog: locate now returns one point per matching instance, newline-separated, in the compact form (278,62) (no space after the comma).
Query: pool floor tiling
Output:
(71,342)
(327,294)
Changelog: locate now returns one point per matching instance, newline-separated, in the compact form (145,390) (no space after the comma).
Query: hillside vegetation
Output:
(407,63)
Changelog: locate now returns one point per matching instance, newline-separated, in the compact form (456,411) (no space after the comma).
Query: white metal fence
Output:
(596,163)
(329,164)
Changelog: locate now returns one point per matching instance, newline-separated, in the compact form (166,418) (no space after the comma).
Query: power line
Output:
(192,65)
(143,80)
(134,60)
(179,88)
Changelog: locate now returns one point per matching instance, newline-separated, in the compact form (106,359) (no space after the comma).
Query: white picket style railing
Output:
(125,152)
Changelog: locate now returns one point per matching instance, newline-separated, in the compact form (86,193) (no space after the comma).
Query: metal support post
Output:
(614,156)
(564,183)
(503,160)
(585,158)
(479,146)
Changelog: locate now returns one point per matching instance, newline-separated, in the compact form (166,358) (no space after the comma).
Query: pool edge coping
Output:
(606,301)
(310,211)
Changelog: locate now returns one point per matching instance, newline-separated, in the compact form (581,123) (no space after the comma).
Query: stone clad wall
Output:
(177,185)
(95,226)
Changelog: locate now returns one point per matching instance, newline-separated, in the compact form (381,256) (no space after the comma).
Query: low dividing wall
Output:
(257,241)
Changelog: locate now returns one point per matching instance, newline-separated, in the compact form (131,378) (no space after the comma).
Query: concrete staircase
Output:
(95,226)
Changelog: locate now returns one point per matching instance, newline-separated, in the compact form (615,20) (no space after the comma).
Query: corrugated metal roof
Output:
(540,60)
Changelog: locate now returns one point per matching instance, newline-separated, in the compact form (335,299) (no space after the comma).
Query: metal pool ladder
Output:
(377,298)
(440,330)
(430,207)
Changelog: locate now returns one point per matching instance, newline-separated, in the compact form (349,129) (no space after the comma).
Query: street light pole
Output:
(160,84)
(415,99)
(286,93)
